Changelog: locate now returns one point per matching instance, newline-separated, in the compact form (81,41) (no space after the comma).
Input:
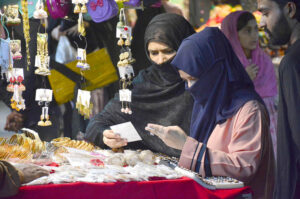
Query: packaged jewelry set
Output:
(15,77)
(44,97)
(42,60)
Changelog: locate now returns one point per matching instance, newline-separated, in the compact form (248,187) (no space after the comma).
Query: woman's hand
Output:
(252,71)
(173,136)
(113,140)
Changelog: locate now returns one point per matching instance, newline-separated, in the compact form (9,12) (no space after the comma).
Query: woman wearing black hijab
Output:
(158,94)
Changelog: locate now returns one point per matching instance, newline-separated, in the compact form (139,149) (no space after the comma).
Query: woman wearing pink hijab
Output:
(241,30)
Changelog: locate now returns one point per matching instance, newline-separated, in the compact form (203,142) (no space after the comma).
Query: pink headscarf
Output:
(265,81)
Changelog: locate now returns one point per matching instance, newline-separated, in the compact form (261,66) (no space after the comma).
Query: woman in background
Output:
(241,30)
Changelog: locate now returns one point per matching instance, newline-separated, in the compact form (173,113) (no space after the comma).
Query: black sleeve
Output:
(288,128)
(290,87)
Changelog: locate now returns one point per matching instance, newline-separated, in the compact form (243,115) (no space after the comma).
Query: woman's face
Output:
(188,78)
(159,52)
(248,35)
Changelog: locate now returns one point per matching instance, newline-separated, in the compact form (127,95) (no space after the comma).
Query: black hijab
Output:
(158,94)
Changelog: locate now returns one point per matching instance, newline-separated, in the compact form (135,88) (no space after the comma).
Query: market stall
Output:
(80,170)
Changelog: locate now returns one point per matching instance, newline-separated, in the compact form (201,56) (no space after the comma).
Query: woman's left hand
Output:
(173,136)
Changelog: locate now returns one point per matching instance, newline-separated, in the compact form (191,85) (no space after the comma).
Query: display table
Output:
(183,188)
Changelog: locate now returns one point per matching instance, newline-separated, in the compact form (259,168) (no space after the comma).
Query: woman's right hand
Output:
(252,71)
(113,140)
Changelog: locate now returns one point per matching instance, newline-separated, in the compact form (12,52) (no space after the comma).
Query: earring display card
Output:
(19,72)
(84,97)
(43,95)
(81,54)
(126,71)
(124,31)
(126,131)
(125,95)
(15,72)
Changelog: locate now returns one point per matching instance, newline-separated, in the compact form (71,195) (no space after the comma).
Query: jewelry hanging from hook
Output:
(26,29)
(15,77)
(125,68)
(83,104)
(44,96)
(42,59)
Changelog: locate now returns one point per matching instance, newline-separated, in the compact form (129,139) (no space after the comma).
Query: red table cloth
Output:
(183,188)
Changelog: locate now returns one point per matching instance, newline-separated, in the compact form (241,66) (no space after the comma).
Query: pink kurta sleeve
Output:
(241,155)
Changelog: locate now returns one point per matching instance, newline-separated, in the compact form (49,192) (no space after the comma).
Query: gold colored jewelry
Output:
(41,122)
(84,9)
(127,42)
(120,41)
(77,9)
(26,29)
(48,122)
